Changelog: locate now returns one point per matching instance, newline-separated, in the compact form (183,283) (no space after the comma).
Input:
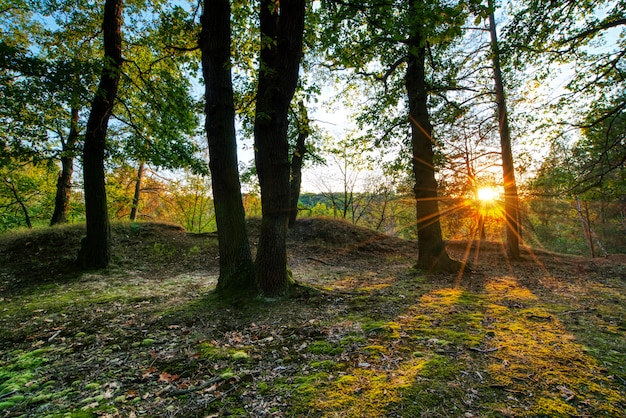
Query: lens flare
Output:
(487,194)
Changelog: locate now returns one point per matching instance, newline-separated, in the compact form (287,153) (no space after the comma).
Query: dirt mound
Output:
(333,241)
(340,233)
(48,255)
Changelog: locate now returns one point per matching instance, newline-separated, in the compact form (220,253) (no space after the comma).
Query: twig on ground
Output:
(319,261)
(206,384)
(8,394)
(579,311)
(486,350)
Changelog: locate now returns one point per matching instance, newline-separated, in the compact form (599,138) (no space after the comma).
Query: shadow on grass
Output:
(410,347)
(376,341)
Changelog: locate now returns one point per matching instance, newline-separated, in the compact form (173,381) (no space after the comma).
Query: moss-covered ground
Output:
(540,337)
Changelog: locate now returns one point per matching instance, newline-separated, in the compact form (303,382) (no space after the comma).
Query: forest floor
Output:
(368,336)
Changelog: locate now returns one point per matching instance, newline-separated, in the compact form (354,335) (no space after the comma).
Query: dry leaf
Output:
(166,377)
(148,373)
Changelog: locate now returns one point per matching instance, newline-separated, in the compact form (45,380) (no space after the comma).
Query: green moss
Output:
(323,365)
(307,386)
(6,404)
(20,369)
(92,386)
(263,387)
(440,368)
(374,349)
(240,356)
(31,359)
(325,348)
(210,351)
(146,342)
(383,328)
(227,374)
(352,339)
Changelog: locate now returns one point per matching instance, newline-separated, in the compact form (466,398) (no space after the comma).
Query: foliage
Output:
(191,205)
(580,45)
(26,194)
(158,113)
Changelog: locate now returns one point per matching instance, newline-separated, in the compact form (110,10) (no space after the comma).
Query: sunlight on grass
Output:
(453,347)
(538,362)
(367,393)
(506,289)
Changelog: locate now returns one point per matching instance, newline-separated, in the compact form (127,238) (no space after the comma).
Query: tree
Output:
(388,46)
(432,252)
(137,194)
(24,193)
(511,205)
(350,158)
(236,266)
(303,129)
(64,180)
(95,250)
(191,205)
(33,113)
(282,31)
(583,38)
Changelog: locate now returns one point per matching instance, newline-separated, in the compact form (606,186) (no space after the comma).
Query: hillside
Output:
(543,336)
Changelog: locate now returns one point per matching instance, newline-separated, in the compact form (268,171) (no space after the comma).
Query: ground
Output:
(365,335)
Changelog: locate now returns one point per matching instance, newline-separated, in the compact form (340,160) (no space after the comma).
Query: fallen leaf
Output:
(148,373)
(166,377)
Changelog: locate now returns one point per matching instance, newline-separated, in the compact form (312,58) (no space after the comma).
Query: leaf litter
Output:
(368,336)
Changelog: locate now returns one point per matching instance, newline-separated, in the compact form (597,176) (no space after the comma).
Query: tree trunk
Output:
(282,29)
(20,202)
(511,201)
(64,182)
(95,250)
(236,266)
(296,162)
(136,197)
(432,253)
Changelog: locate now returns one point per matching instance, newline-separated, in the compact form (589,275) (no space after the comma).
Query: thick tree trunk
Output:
(432,252)
(282,29)
(137,195)
(236,265)
(95,250)
(511,201)
(296,162)
(64,182)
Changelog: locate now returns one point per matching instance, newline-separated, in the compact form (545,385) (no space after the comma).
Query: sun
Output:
(487,194)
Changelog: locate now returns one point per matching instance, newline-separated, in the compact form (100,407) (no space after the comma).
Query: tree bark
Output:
(282,30)
(296,162)
(64,182)
(137,195)
(236,265)
(511,200)
(95,250)
(432,253)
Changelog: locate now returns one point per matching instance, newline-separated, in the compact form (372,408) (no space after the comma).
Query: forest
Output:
(533,111)
(434,191)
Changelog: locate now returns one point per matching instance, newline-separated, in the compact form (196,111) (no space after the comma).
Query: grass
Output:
(378,339)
